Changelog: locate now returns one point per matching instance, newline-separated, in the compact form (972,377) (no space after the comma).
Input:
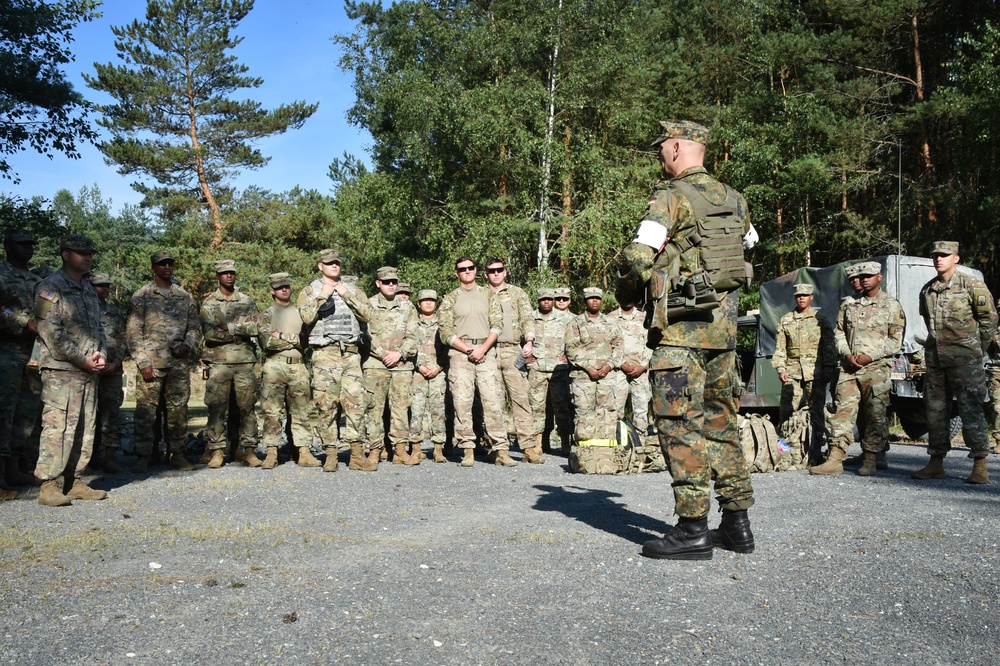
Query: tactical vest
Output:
(335,322)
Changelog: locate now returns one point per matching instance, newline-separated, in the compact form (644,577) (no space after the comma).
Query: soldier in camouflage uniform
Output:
(429,380)
(164,333)
(471,322)
(548,372)
(513,347)
(229,325)
(388,370)
(594,350)
(285,377)
(993,372)
(337,381)
(631,321)
(693,367)
(110,390)
(961,324)
(20,385)
(403,291)
(563,296)
(72,354)
(869,333)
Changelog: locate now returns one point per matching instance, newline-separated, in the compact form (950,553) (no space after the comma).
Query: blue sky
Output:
(287,43)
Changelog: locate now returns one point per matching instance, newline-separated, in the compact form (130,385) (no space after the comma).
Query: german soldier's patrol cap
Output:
(76,243)
(593,292)
(427,295)
(804,289)
(162,255)
(97,279)
(279,280)
(18,236)
(329,256)
(944,247)
(682,129)
(225,266)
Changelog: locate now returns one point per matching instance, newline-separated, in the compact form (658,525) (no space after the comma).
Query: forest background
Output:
(522,129)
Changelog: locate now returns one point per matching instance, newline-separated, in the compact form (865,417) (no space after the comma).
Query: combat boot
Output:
(416,453)
(271,461)
(239,455)
(24,470)
(689,540)
(51,493)
(996,446)
(78,490)
(206,457)
(250,458)
(11,474)
(331,464)
(401,457)
(306,458)
(383,454)
(868,467)
(979,473)
(141,465)
(533,455)
(6,494)
(439,453)
(110,466)
(217,460)
(377,455)
(934,469)
(834,463)
(502,458)
(358,460)
(468,457)
(180,463)
(564,445)
(734,532)
(855,461)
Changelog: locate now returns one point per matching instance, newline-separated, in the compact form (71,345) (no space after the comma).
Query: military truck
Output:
(903,277)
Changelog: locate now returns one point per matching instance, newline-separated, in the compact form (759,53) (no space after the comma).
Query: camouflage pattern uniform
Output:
(427,410)
(392,325)
(70,331)
(693,367)
(872,326)
(993,372)
(804,350)
(110,392)
(229,325)
(961,323)
(518,327)
(464,376)
(637,353)
(548,375)
(161,319)
(20,386)
(591,342)
(337,382)
(285,377)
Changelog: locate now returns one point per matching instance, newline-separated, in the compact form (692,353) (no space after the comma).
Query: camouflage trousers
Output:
(174,384)
(464,377)
(694,402)
(109,404)
(993,372)
(20,403)
(967,385)
(69,413)
(427,409)
(641,395)
(869,394)
(515,387)
(223,377)
(397,386)
(338,385)
(595,404)
(551,403)
(285,392)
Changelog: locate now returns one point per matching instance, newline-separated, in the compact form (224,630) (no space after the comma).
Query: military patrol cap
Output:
(593,292)
(279,280)
(387,273)
(804,290)
(546,292)
(99,279)
(162,255)
(869,268)
(329,256)
(403,288)
(562,292)
(350,279)
(944,247)
(76,243)
(427,295)
(18,236)
(682,129)
(225,266)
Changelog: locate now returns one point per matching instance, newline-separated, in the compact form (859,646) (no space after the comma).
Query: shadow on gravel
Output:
(598,509)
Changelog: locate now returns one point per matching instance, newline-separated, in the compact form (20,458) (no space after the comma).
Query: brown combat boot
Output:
(979,474)
(110,466)
(271,461)
(468,457)
(868,466)
(217,460)
(331,464)
(533,456)
(401,457)
(416,453)
(180,463)
(834,463)
(996,446)
(383,453)
(51,493)
(206,457)
(502,458)
(306,458)
(358,460)
(79,490)
(250,458)
(934,469)
(375,456)
(439,453)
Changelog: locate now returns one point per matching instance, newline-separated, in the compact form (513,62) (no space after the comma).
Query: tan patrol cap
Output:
(593,292)
(161,255)
(427,295)
(76,243)
(869,268)
(546,292)
(99,279)
(225,266)
(682,129)
(562,292)
(387,273)
(944,247)
(804,289)
(279,280)
(329,256)
(403,288)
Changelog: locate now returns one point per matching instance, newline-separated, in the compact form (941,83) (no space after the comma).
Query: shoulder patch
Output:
(981,301)
(49,295)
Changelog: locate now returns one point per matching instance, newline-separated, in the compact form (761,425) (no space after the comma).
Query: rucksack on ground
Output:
(763,449)
(626,454)
(797,432)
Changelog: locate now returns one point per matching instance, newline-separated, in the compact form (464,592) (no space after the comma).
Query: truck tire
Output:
(916,428)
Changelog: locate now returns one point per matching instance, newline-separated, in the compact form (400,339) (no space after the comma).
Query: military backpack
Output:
(763,449)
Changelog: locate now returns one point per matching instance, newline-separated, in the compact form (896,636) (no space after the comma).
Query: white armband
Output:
(750,239)
(652,234)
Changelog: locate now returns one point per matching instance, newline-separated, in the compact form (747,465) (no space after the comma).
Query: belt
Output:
(287,359)
(508,344)
(474,341)
(343,349)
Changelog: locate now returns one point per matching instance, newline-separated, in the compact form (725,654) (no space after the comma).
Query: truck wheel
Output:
(916,428)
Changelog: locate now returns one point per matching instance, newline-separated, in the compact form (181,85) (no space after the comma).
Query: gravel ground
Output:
(438,564)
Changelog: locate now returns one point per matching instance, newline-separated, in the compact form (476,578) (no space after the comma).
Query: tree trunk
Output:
(206,191)
(925,146)
(543,195)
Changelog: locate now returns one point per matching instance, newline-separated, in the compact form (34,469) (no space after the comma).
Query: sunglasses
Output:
(165,262)
(284,286)
(389,281)
(464,269)
(494,271)
(562,298)
(331,263)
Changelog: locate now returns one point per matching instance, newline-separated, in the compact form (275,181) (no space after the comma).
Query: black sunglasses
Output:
(464,269)
(389,281)
(494,271)
(165,262)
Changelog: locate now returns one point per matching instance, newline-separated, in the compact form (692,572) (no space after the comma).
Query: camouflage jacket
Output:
(160,320)
(446,314)
(113,320)
(17,298)
(872,326)
(550,341)
(518,323)
(634,336)
(287,322)
(71,329)
(335,329)
(431,352)
(229,324)
(392,326)
(592,342)
(798,345)
(961,320)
